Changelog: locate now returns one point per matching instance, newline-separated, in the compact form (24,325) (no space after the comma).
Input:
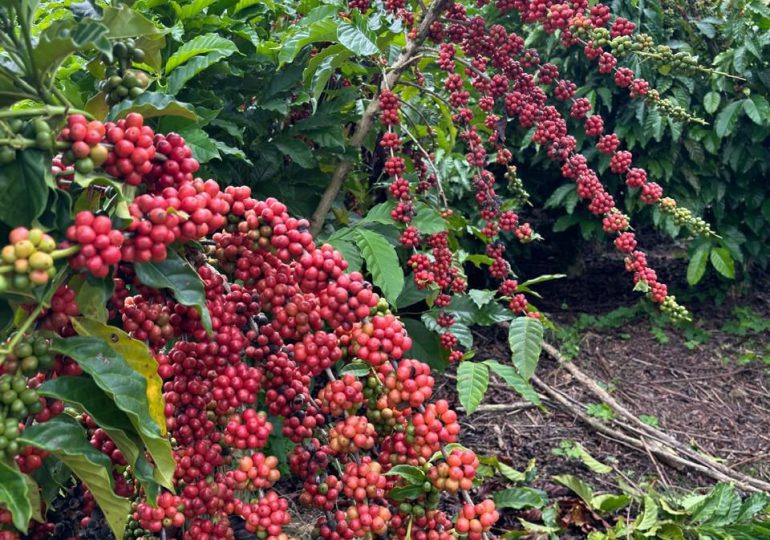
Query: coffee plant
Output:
(183,352)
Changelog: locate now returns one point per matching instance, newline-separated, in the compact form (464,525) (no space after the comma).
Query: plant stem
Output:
(29,321)
(47,110)
(64,253)
(366,123)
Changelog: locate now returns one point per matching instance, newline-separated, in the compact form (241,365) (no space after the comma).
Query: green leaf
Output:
(382,263)
(609,503)
(590,461)
(192,9)
(357,37)
(298,151)
(428,220)
(357,368)
(757,108)
(649,517)
(197,46)
(727,119)
(63,38)
(515,381)
(151,105)
(176,274)
(66,440)
(126,387)
(520,497)
(138,356)
(410,294)
(324,30)
(24,187)
(380,213)
(410,473)
(411,491)
(203,147)
(580,488)
(182,74)
(14,494)
(86,394)
(697,265)
(711,102)
(425,344)
(472,383)
(723,262)
(525,338)
(481,297)
(124,22)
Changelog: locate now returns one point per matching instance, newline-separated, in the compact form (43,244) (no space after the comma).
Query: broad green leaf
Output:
(324,30)
(127,388)
(520,497)
(711,102)
(33,494)
(24,187)
(298,151)
(757,108)
(525,338)
(63,38)
(580,488)
(86,394)
(410,473)
(472,383)
(609,503)
(203,147)
(727,119)
(515,381)
(697,265)
(589,461)
(428,220)
(542,279)
(14,494)
(723,262)
(197,46)
(357,368)
(382,263)
(97,106)
(481,297)
(65,439)
(177,275)
(137,355)
(649,517)
(92,297)
(404,493)
(151,105)
(357,37)
(124,22)
(182,74)
(380,213)
(192,9)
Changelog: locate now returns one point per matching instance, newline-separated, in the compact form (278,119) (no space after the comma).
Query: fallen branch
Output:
(364,126)
(664,452)
(635,425)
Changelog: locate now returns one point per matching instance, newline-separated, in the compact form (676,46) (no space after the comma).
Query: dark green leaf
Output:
(14,494)
(472,383)
(609,504)
(66,439)
(182,74)
(24,187)
(727,119)
(525,338)
(153,104)
(124,22)
(428,220)
(406,492)
(63,38)
(298,151)
(425,344)
(757,108)
(381,262)
(181,279)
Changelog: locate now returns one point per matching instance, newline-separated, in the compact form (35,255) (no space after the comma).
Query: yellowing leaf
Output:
(137,355)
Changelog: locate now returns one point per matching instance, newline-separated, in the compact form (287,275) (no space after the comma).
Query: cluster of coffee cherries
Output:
(35,133)
(120,82)
(17,402)
(28,260)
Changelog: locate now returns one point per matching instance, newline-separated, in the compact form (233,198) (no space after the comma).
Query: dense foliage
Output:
(182,350)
